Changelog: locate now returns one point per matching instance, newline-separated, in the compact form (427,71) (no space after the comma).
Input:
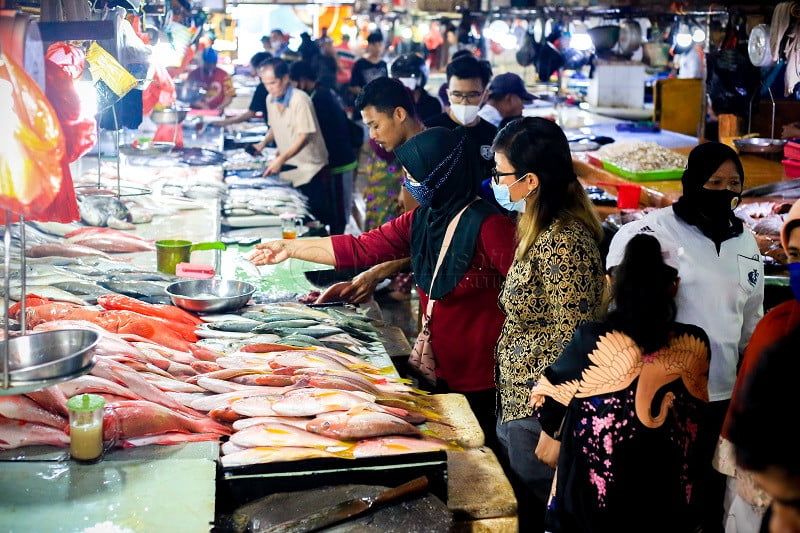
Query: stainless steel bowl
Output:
(169,115)
(759,145)
(148,148)
(210,295)
(47,355)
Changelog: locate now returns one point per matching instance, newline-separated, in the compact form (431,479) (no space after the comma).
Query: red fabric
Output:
(466,323)
(775,325)
(161,91)
(167,133)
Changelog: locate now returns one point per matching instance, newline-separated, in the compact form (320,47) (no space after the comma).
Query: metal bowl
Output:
(148,148)
(759,145)
(210,295)
(169,115)
(47,355)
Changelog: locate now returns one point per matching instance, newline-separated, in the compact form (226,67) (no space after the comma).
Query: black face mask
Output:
(717,204)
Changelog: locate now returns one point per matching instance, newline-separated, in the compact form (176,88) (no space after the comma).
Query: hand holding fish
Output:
(269,253)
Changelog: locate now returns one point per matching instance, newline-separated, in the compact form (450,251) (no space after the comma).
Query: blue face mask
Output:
(503,196)
(419,191)
(794,279)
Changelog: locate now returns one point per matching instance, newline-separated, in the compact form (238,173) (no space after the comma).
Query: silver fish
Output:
(96,210)
(136,288)
(45,291)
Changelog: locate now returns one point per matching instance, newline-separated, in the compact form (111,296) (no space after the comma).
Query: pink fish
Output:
(178,356)
(138,418)
(256,405)
(23,408)
(397,445)
(263,454)
(222,386)
(64,249)
(359,424)
(227,399)
(281,435)
(299,422)
(52,399)
(206,354)
(98,230)
(170,385)
(116,243)
(109,343)
(186,398)
(310,402)
(168,438)
(96,385)
(15,433)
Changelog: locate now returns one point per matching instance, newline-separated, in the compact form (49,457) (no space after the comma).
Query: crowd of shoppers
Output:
(601,383)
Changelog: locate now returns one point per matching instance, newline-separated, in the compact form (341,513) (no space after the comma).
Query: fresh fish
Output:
(311,402)
(168,439)
(85,289)
(112,243)
(313,331)
(16,433)
(397,445)
(265,454)
(299,422)
(167,312)
(222,386)
(136,288)
(123,277)
(45,291)
(270,327)
(239,326)
(96,210)
(56,228)
(48,279)
(25,409)
(281,435)
(172,385)
(242,402)
(138,418)
(95,385)
(186,398)
(205,331)
(63,249)
(358,424)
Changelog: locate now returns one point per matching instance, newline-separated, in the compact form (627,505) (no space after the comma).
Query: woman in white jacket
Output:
(721,290)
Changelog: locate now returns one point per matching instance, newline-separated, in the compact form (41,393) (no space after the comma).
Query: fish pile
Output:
(280,393)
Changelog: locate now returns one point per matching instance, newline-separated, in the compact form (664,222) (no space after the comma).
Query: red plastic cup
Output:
(628,195)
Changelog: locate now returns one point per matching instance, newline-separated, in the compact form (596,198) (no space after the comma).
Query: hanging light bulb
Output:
(580,39)
(698,35)
(684,37)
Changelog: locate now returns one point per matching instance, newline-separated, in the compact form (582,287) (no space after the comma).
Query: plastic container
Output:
(792,168)
(646,175)
(628,194)
(791,150)
(86,427)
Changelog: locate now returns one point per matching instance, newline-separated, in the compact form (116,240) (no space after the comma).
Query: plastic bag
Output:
(64,63)
(112,81)
(34,176)
(161,92)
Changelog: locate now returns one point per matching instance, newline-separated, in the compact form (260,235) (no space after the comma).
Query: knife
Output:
(347,509)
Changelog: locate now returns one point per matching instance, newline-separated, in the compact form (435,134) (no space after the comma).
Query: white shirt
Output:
(723,294)
(490,114)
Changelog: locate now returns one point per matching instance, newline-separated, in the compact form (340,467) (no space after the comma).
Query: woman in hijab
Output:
(721,291)
(443,177)
(555,284)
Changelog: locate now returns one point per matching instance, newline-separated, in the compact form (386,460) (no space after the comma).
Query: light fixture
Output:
(698,35)
(684,37)
(579,37)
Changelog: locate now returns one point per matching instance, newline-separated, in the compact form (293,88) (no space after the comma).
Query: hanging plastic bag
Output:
(64,63)
(112,81)
(33,182)
(161,92)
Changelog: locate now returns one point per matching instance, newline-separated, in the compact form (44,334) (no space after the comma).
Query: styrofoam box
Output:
(617,85)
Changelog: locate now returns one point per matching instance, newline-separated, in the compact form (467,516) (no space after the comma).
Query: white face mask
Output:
(410,83)
(465,114)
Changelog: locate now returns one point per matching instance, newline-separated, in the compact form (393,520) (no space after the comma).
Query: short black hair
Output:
(468,67)
(258,58)
(302,69)
(385,95)
(462,53)
(375,37)
(278,66)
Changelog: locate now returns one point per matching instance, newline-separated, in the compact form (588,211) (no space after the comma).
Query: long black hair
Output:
(643,293)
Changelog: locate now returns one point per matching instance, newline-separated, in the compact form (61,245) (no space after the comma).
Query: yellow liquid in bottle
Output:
(86,441)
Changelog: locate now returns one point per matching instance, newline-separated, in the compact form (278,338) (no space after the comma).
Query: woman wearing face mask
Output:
(410,70)
(555,284)
(466,320)
(722,291)
(749,500)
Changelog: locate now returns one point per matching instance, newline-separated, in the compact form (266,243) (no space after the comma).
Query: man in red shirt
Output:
(216,82)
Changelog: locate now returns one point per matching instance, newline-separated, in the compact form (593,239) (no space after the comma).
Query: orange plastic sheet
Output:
(34,176)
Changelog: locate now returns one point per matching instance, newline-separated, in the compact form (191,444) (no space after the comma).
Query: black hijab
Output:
(447,162)
(704,160)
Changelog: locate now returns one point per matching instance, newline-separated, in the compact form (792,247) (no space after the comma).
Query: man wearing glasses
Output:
(467,81)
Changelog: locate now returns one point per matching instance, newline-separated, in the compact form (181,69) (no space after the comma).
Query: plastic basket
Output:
(791,150)
(649,175)
(792,168)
